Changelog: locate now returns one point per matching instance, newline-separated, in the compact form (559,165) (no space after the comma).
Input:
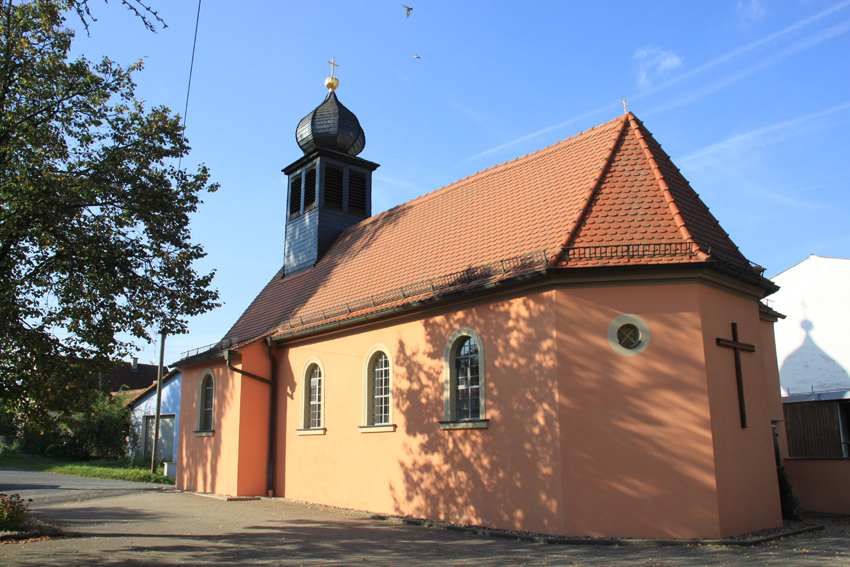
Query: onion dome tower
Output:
(329,188)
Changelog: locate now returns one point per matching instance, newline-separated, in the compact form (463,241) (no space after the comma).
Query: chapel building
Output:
(566,343)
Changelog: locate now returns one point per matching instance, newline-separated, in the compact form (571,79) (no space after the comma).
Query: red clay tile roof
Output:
(609,195)
(135,395)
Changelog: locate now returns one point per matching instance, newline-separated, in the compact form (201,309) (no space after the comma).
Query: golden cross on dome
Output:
(625,106)
(335,65)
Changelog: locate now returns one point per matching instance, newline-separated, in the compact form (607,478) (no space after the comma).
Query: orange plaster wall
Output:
(636,444)
(506,476)
(209,464)
(821,485)
(254,421)
(581,440)
(747,485)
(771,374)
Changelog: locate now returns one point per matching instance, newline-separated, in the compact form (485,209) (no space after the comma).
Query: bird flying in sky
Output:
(416,57)
(408,8)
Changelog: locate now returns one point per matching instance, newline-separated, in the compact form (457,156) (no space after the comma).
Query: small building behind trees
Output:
(142,420)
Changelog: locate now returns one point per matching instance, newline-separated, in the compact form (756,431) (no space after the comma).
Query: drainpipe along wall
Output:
(272,406)
(272,417)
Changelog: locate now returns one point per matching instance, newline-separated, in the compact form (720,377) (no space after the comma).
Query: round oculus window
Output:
(628,336)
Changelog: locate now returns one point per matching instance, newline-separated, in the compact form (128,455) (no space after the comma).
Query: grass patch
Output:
(119,469)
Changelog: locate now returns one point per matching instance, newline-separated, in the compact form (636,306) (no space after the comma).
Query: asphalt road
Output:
(51,489)
(123,523)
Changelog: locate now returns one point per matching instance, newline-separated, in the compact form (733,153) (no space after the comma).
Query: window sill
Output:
(469,424)
(312,431)
(204,433)
(387,427)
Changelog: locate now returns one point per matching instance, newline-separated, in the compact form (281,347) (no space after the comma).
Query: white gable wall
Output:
(812,343)
(170,405)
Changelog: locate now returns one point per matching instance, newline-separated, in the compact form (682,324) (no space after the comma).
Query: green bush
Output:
(787,498)
(13,512)
(8,427)
(39,438)
(100,434)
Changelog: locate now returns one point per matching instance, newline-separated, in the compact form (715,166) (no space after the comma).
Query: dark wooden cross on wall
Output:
(739,376)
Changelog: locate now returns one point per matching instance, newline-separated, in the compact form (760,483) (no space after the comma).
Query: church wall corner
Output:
(638,427)
(747,486)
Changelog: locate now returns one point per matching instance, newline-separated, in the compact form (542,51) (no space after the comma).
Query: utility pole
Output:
(158,400)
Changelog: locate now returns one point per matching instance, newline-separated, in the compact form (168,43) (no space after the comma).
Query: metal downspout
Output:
(272,418)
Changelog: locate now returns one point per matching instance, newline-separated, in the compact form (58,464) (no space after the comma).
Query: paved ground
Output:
(130,523)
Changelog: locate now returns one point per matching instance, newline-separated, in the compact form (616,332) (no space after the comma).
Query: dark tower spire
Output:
(330,188)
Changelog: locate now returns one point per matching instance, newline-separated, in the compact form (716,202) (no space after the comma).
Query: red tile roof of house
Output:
(139,379)
(136,395)
(609,195)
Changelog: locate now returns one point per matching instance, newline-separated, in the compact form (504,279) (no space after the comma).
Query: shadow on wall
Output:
(809,368)
(201,457)
(463,475)
(617,428)
(637,441)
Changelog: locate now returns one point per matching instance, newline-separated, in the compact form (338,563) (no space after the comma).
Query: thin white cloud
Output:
(743,141)
(397,182)
(654,63)
(751,11)
(798,46)
(558,126)
(821,186)
(749,47)
(817,38)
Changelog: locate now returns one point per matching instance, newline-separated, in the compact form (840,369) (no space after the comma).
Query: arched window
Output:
(313,398)
(206,403)
(381,390)
(464,386)
(467,384)
(378,391)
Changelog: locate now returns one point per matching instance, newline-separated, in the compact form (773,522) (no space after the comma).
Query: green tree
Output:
(94,215)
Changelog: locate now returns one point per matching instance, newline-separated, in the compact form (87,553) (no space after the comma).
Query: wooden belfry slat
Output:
(739,375)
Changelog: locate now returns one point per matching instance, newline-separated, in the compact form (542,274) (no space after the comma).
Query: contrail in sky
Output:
(543,131)
(756,133)
(798,46)
(793,49)
(744,49)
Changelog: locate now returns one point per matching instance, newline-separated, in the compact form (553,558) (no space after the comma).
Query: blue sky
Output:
(750,98)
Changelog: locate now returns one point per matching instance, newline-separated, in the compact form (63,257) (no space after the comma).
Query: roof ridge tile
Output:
(662,183)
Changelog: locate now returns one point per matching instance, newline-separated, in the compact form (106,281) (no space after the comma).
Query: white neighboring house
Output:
(811,342)
(814,356)
(144,412)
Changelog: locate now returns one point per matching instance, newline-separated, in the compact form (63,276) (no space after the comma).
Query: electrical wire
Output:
(191,68)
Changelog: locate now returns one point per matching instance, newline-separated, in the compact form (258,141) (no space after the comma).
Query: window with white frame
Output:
(464,381)
(206,403)
(377,391)
(313,398)
(381,390)
(467,384)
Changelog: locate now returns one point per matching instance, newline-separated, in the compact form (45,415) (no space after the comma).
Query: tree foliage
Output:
(94,215)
